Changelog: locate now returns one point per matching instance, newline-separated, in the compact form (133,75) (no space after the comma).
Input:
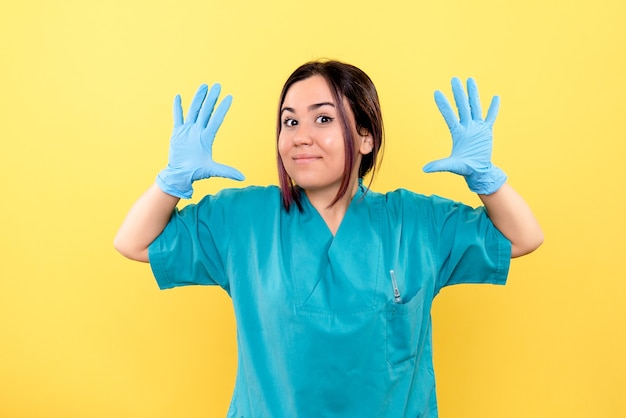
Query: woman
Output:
(331,283)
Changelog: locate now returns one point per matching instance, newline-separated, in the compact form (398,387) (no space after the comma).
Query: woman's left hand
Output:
(472,138)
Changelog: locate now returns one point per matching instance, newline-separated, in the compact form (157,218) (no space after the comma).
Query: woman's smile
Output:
(306,158)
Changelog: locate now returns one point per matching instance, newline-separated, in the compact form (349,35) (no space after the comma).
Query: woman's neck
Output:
(332,215)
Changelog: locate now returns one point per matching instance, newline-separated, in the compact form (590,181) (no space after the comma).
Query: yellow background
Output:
(85,117)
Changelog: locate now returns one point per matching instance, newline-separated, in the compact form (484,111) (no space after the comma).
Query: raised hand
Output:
(191,153)
(472,138)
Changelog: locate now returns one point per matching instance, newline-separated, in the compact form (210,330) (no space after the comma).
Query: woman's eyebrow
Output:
(318,105)
(287,109)
(310,107)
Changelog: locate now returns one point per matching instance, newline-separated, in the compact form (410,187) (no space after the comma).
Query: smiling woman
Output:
(333,296)
(310,142)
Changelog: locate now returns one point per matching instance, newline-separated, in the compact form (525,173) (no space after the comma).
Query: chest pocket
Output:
(403,323)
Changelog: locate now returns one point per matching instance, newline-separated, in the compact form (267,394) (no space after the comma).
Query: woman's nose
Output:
(302,136)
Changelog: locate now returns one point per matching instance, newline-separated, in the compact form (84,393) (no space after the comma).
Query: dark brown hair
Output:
(349,82)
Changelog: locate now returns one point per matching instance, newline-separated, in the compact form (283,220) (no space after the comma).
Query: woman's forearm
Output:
(514,219)
(145,221)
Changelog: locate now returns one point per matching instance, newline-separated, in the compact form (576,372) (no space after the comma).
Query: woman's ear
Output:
(366,144)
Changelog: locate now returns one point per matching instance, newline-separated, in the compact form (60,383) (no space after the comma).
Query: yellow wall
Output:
(85,99)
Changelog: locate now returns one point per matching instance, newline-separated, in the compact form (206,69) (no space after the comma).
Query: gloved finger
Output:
(446,110)
(218,116)
(209,104)
(433,167)
(461,100)
(196,104)
(474,100)
(221,170)
(177,111)
(493,110)
(449,164)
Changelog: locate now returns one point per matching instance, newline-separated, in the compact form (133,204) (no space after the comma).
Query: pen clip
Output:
(394,283)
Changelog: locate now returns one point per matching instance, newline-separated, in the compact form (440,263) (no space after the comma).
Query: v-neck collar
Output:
(338,273)
(308,207)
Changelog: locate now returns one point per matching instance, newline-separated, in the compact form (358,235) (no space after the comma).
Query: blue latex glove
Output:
(471,139)
(191,155)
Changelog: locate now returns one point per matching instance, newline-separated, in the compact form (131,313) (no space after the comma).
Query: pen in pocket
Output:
(394,283)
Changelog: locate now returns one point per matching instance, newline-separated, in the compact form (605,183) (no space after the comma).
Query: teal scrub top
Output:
(331,326)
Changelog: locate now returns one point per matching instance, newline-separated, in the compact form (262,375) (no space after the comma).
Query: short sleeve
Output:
(209,243)
(186,252)
(467,246)
(455,242)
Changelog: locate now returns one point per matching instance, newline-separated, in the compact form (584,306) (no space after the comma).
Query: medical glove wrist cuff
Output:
(175,183)
(487,181)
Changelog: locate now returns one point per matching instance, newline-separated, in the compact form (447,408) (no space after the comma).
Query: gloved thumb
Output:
(452,165)
(221,170)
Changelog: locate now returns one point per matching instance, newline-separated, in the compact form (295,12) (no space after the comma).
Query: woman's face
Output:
(311,141)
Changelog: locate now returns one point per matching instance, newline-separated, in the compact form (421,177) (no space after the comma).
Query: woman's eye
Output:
(290,122)
(323,119)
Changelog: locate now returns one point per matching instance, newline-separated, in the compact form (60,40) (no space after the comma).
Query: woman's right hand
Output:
(191,155)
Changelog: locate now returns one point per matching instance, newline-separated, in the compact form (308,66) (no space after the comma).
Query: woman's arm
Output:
(472,140)
(190,159)
(512,216)
(144,222)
